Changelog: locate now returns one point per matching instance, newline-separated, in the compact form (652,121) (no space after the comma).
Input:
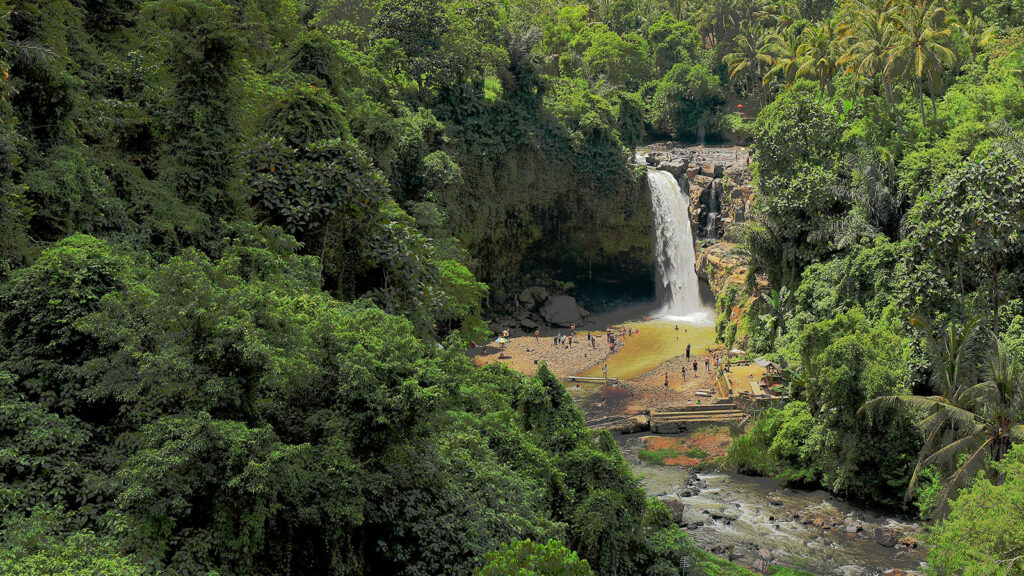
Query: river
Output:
(810,530)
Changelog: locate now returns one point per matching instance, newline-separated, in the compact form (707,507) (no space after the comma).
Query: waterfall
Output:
(677,289)
(711,230)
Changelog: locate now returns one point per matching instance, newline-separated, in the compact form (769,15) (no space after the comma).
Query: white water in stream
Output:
(678,291)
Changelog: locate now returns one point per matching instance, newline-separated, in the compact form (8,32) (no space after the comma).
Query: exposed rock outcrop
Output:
(563,311)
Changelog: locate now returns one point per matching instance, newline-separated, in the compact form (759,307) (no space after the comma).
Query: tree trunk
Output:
(931,93)
(994,273)
(892,102)
(920,97)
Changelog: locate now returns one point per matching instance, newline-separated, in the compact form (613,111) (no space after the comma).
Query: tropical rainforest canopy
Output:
(243,244)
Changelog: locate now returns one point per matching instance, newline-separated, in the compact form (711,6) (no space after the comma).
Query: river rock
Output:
(763,563)
(720,549)
(852,528)
(628,425)
(675,507)
(907,542)
(886,537)
(563,310)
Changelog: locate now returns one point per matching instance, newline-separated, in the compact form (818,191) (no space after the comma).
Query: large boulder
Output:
(703,181)
(712,170)
(674,166)
(674,506)
(532,297)
(886,537)
(563,311)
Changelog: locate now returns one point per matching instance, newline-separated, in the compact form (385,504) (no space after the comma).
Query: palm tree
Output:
(784,48)
(967,423)
(919,50)
(817,54)
(751,58)
(872,37)
(782,13)
(974,31)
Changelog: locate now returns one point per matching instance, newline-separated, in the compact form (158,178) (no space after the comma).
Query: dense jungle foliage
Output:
(886,260)
(242,243)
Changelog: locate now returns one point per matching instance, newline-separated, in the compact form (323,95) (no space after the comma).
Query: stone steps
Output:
(681,420)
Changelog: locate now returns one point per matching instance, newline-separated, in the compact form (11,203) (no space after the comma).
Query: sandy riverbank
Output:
(525,353)
(634,394)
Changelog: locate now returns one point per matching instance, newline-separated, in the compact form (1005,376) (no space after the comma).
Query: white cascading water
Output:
(677,289)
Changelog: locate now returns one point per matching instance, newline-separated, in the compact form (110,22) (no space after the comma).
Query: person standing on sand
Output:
(536,335)
(707,365)
(687,351)
(684,372)
(694,366)
(605,370)
(666,379)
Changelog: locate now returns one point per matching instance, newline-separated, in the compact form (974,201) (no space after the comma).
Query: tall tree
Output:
(817,54)
(751,59)
(919,51)
(202,52)
(967,423)
(784,47)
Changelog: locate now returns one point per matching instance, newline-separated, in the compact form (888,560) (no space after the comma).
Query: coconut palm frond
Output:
(966,471)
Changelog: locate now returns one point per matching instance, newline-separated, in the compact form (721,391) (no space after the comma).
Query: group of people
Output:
(710,363)
(567,340)
(696,365)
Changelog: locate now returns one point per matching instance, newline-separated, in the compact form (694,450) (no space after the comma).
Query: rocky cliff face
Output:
(721,264)
(717,180)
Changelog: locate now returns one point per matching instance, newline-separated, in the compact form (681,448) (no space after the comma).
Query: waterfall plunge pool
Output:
(657,342)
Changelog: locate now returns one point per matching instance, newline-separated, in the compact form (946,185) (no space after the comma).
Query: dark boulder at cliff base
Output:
(563,310)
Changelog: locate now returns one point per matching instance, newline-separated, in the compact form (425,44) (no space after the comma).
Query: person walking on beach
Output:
(666,379)
(536,335)
(694,366)
(684,372)
(707,365)
(687,351)
(605,370)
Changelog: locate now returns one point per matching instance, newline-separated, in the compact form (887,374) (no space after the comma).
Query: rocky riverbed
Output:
(741,517)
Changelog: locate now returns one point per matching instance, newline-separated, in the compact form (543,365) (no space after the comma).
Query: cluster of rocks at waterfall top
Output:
(716,179)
